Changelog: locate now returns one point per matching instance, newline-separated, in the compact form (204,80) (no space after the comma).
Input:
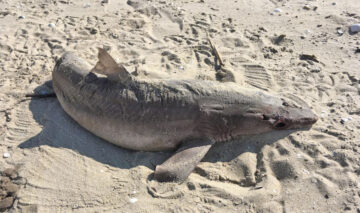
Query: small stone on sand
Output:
(52,25)
(133,200)
(306,7)
(93,31)
(355,28)
(6,155)
(344,120)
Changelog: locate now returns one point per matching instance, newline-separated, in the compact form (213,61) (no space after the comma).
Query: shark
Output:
(187,116)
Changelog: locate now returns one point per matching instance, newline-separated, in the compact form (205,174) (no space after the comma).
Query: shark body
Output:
(187,115)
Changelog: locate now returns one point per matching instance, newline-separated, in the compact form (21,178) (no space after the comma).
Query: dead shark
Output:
(184,115)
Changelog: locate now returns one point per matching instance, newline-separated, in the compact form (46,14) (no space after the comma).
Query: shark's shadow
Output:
(61,131)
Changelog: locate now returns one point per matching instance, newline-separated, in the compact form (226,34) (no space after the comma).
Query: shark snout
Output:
(308,120)
(303,118)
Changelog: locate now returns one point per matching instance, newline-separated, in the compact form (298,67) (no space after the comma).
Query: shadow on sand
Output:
(60,131)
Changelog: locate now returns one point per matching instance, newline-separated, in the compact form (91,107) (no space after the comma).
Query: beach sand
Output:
(296,48)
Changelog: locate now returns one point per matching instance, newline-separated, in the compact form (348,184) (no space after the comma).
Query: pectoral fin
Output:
(108,66)
(179,166)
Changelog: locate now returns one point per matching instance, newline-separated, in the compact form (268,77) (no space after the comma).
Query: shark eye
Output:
(280,123)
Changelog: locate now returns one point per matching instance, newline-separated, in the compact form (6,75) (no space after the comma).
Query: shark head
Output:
(287,117)
(269,114)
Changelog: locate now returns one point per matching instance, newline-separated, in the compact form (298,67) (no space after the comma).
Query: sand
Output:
(60,167)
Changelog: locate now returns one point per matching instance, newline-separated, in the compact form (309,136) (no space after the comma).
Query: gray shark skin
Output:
(187,115)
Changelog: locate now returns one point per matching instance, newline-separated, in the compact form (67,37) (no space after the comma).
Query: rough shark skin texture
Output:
(189,115)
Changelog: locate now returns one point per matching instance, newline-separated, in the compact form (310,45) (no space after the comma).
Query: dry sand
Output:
(60,167)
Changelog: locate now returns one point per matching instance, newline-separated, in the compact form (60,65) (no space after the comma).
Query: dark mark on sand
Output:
(309,57)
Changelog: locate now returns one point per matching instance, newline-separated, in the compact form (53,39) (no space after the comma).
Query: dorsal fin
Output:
(108,66)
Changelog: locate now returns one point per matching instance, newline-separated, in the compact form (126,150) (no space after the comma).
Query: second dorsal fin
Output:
(108,66)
